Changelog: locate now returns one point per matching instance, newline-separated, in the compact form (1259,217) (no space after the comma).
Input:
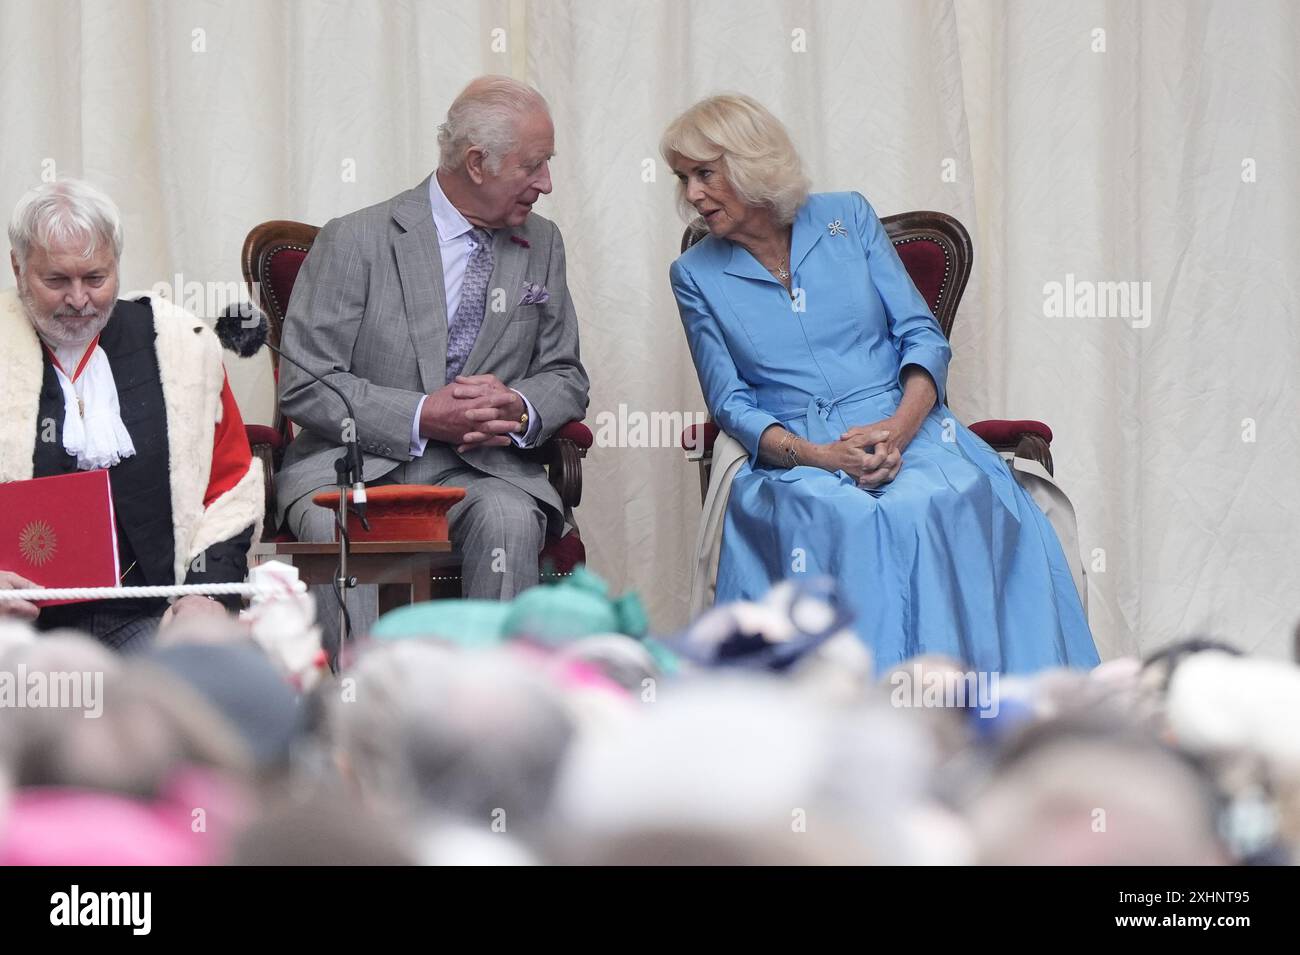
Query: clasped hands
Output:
(871,454)
(474,411)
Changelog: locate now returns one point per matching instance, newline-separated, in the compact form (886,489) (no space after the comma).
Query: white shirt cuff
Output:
(418,441)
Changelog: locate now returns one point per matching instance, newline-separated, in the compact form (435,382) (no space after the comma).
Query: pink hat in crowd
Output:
(190,825)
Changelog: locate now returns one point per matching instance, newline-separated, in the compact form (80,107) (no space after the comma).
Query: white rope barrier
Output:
(268,588)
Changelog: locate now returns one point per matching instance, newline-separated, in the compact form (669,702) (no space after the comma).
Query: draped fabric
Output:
(1125,170)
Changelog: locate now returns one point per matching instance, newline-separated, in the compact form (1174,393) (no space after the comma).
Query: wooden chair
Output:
(272,255)
(936,251)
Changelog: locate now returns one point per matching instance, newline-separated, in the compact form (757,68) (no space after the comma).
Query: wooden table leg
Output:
(421,578)
(392,596)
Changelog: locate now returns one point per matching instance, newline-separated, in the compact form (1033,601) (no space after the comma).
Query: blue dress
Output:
(951,557)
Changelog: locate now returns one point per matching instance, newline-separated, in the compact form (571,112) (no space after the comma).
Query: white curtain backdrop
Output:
(1080,142)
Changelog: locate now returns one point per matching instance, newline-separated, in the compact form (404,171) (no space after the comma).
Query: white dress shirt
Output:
(454,246)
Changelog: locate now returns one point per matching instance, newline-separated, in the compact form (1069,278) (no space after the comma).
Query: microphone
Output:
(242,328)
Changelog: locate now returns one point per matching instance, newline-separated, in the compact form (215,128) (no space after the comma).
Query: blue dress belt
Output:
(820,407)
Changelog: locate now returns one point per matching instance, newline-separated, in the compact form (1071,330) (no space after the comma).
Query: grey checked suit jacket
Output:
(369,315)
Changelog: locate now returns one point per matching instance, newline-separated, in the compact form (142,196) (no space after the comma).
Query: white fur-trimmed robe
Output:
(189,362)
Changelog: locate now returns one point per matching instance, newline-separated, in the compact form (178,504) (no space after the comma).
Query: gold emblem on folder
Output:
(37,543)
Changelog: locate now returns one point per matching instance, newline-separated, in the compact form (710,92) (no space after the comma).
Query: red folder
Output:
(60,531)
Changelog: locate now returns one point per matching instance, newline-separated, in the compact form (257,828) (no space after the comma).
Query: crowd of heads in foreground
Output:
(762,734)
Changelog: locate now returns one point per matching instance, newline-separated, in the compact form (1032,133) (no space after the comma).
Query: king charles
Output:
(89,381)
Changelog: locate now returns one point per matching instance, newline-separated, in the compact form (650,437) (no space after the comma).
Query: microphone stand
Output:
(343,468)
(348,469)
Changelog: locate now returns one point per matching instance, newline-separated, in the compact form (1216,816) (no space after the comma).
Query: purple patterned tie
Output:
(464,328)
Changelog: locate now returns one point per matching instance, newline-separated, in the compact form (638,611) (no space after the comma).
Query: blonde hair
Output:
(755,150)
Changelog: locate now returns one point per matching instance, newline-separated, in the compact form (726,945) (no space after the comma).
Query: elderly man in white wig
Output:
(89,381)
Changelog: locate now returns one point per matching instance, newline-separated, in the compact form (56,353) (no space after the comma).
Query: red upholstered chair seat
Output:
(997,432)
(577,432)
(561,554)
(700,437)
(264,434)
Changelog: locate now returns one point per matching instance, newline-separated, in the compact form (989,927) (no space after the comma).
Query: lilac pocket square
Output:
(535,294)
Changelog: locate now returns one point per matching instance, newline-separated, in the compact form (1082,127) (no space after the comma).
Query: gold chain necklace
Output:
(782,272)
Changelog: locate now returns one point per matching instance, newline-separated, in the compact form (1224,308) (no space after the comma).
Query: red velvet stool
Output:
(407,543)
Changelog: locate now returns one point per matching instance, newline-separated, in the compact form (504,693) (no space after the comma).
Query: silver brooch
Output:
(837,228)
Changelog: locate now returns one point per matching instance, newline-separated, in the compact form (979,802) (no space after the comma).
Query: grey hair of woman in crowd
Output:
(150,725)
(431,731)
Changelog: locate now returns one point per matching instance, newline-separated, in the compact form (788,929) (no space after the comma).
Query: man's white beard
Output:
(59,329)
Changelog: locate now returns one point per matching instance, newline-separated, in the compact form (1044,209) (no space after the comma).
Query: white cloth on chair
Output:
(728,454)
(1056,507)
